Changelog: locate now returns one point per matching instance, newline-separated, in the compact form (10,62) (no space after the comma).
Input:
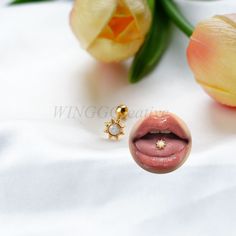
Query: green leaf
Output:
(154,45)
(26,1)
(151,4)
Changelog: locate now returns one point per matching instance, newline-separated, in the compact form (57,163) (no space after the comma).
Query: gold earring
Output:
(115,127)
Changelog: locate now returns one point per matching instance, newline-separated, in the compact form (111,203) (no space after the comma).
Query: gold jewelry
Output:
(161,144)
(122,112)
(115,128)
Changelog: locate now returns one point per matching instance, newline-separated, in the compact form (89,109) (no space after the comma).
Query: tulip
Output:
(111,30)
(212,57)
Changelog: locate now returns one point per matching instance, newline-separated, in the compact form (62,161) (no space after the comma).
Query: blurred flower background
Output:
(115,30)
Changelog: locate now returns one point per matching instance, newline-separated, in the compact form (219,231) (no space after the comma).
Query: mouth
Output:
(160,143)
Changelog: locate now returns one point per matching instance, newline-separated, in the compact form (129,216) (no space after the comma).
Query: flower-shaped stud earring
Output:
(115,127)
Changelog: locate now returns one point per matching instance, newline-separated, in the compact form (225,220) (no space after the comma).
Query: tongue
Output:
(147,145)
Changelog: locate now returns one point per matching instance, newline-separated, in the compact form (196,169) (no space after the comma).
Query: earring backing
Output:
(115,127)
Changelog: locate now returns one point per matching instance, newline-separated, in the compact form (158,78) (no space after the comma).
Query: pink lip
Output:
(142,142)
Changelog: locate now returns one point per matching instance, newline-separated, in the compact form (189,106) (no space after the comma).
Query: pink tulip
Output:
(212,57)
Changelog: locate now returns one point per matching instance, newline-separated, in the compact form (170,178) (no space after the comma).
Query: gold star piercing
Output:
(115,128)
(161,144)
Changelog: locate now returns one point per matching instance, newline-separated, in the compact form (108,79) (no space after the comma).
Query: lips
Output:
(160,143)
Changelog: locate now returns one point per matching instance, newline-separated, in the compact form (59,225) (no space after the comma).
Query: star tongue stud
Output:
(160,144)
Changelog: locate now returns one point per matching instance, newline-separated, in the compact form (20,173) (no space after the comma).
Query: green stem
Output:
(176,16)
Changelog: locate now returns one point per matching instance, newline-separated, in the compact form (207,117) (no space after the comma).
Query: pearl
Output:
(114,129)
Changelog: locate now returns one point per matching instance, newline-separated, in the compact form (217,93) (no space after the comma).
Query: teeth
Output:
(160,132)
(165,132)
(155,132)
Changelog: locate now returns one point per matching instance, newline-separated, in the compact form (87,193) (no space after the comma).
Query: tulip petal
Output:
(105,49)
(111,30)
(129,34)
(222,96)
(142,17)
(122,27)
(119,24)
(88,19)
(212,57)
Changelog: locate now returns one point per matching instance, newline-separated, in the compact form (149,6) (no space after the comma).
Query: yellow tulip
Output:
(212,57)
(111,30)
